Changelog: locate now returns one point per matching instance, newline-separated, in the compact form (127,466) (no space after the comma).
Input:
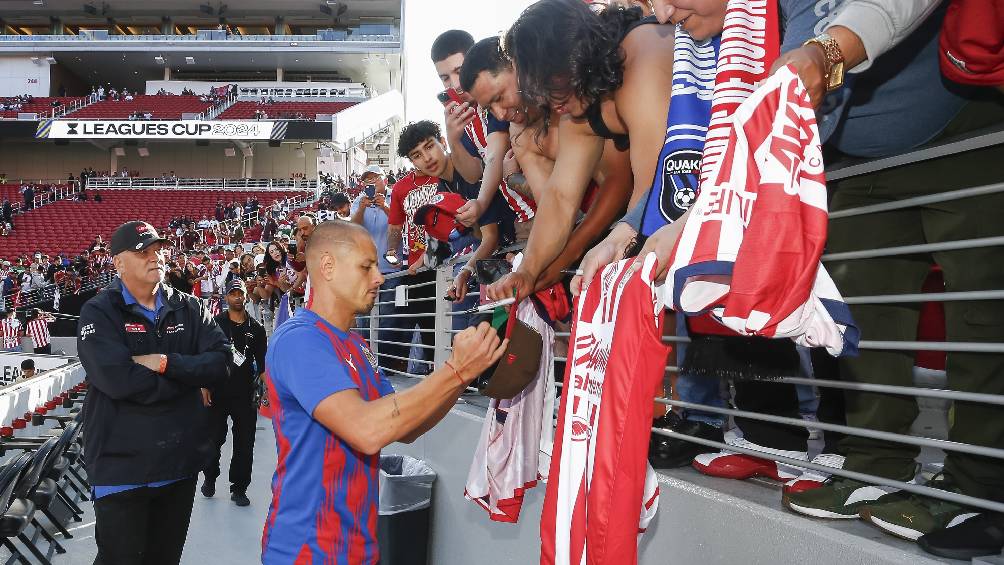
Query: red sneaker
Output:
(728,465)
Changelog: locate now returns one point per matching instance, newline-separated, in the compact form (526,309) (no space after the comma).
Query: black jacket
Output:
(249,340)
(141,426)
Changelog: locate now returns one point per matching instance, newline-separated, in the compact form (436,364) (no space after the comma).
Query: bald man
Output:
(334,410)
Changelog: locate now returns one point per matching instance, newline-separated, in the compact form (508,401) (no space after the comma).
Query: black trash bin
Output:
(405,510)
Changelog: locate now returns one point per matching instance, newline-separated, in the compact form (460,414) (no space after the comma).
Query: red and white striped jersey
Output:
(477,131)
(601,491)
(9,327)
(749,254)
(514,451)
(38,331)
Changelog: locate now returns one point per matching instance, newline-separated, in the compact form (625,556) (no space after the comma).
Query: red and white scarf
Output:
(749,254)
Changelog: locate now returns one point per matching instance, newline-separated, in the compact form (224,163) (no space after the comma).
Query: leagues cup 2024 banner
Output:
(160,129)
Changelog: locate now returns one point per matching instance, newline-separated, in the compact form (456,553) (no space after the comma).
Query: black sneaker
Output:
(669,453)
(976,537)
(240,499)
(208,488)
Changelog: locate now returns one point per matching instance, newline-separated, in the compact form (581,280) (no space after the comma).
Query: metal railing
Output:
(118,183)
(436,316)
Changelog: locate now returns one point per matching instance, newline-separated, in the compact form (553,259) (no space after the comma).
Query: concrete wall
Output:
(20,75)
(46,160)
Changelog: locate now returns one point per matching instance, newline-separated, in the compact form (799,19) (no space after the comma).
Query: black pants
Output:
(244,414)
(144,526)
(44,350)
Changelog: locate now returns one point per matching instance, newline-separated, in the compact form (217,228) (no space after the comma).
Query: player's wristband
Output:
(163,364)
(456,373)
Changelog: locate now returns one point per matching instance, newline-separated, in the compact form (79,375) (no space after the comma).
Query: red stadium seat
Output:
(246,110)
(69,226)
(41,105)
(162,107)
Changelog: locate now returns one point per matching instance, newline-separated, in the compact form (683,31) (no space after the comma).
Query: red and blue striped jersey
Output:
(324,493)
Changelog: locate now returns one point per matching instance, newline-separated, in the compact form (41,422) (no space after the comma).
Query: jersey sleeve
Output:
(383,384)
(469,146)
(494,124)
(497,212)
(396,217)
(309,369)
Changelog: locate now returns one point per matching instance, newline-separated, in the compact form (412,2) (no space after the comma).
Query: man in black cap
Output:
(146,350)
(235,396)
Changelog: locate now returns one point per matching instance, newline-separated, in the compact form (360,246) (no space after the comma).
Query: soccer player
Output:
(334,411)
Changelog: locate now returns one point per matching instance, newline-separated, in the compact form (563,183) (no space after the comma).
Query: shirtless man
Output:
(488,76)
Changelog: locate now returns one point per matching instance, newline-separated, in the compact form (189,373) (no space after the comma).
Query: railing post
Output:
(444,323)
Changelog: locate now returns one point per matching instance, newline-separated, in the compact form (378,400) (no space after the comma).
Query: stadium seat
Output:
(162,107)
(246,110)
(41,106)
(69,226)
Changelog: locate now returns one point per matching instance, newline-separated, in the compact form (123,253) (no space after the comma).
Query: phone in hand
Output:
(370,191)
(449,94)
(489,271)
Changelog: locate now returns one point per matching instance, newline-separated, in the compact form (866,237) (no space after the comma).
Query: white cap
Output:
(372,169)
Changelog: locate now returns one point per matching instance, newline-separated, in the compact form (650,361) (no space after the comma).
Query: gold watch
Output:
(834,60)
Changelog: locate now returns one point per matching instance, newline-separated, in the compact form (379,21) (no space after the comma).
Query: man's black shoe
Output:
(208,488)
(978,536)
(670,453)
(240,499)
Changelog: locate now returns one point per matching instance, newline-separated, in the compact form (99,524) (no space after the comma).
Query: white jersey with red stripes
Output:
(38,331)
(749,253)
(9,328)
(601,491)
(523,206)
(514,450)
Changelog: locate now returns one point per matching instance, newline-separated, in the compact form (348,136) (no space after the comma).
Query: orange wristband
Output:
(457,373)
(163,364)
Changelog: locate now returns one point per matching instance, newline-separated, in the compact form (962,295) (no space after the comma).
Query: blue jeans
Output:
(808,402)
(462,321)
(699,390)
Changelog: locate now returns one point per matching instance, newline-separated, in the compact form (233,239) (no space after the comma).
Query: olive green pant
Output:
(966,321)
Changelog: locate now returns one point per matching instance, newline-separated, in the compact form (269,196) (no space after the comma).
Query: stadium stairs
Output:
(69,226)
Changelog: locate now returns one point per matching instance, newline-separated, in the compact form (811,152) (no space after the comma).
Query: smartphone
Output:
(449,94)
(488,271)
(370,190)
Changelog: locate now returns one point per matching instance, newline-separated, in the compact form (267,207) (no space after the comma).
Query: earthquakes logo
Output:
(86,331)
(681,170)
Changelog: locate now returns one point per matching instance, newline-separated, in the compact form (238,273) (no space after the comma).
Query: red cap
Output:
(439,216)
